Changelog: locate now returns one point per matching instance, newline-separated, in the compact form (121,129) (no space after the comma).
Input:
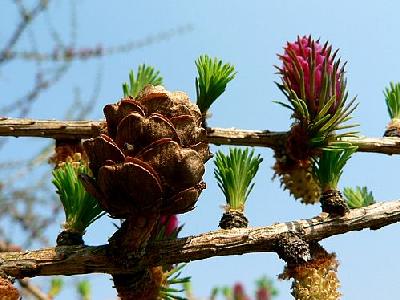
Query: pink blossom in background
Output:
(263,294)
(239,292)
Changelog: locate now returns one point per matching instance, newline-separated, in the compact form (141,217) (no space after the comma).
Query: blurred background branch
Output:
(40,45)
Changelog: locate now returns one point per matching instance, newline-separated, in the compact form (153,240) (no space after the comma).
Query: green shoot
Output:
(81,209)
(360,197)
(187,288)
(321,126)
(56,285)
(214,293)
(213,76)
(84,290)
(227,292)
(174,278)
(234,173)
(328,168)
(392,98)
(145,75)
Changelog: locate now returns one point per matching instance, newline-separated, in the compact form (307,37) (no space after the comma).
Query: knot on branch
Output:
(69,238)
(233,219)
(292,248)
(316,279)
(332,202)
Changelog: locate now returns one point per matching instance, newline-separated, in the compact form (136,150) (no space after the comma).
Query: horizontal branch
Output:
(218,136)
(70,260)
(271,139)
(48,128)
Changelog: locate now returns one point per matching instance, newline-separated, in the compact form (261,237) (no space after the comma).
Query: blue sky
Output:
(248,34)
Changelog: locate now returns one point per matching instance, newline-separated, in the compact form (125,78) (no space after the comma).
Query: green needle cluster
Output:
(167,292)
(328,168)
(81,209)
(145,75)
(56,285)
(213,76)
(392,98)
(234,173)
(84,289)
(359,197)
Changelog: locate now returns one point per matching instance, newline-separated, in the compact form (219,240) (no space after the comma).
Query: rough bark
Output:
(70,260)
(48,128)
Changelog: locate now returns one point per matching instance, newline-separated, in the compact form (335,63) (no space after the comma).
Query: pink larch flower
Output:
(312,72)
(170,223)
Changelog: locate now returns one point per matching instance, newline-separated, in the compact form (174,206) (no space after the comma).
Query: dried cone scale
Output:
(151,158)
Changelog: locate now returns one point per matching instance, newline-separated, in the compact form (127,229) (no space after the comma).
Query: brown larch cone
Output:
(152,157)
(149,161)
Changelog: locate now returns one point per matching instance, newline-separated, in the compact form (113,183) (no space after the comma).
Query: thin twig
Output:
(33,289)
(6,52)
(83,53)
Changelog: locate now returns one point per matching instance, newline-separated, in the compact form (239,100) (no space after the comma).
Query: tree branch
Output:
(70,260)
(48,128)
(24,282)
(218,136)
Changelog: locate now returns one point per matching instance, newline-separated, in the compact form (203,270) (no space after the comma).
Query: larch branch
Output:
(218,136)
(48,128)
(69,260)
